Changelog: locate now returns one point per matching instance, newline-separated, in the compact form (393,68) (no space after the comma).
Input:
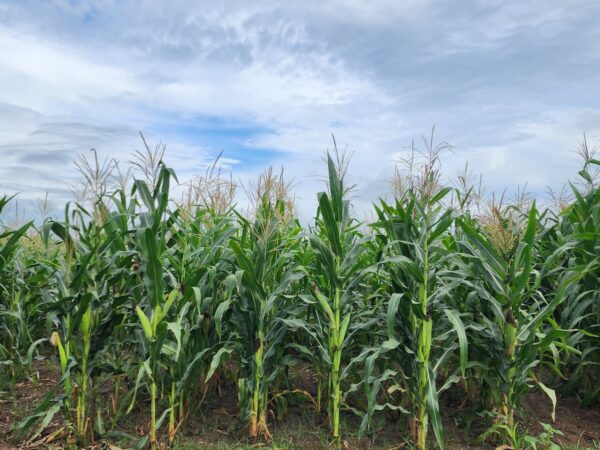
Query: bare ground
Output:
(215,426)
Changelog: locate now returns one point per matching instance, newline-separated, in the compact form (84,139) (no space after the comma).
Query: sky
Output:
(512,85)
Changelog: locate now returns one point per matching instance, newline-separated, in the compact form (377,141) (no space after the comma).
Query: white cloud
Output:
(511,85)
(51,78)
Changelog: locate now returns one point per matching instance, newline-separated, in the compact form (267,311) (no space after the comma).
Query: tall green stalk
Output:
(267,269)
(514,326)
(338,268)
(153,313)
(82,395)
(415,258)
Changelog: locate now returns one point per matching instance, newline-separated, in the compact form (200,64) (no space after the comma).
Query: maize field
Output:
(151,305)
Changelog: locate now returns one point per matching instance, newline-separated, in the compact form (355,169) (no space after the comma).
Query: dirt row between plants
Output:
(216,426)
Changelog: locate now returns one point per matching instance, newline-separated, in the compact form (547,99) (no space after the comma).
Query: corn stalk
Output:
(266,272)
(513,327)
(416,258)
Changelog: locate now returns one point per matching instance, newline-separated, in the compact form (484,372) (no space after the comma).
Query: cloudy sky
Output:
(511,84)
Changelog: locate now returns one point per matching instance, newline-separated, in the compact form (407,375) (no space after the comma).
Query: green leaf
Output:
(459,327)
(216,361)
(344,328)
(434,409)
(551,395)
(391,313)
(170,299)
(221,309)
(142,188)
(331,225)
(325,307)
(153,274)
(145,323)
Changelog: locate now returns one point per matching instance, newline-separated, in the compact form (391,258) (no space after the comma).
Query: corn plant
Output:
(266,272)
(152,298)
(338,306)
(512,330)
(85,314)
(201,259)
(415,251)
(577,233)
(16,337)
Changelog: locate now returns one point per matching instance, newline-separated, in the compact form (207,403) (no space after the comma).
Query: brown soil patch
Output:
(15,405)
(215,425)
(579,425)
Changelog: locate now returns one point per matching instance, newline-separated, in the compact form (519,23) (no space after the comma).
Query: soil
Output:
(578,424)
(215,426)
(27,395)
